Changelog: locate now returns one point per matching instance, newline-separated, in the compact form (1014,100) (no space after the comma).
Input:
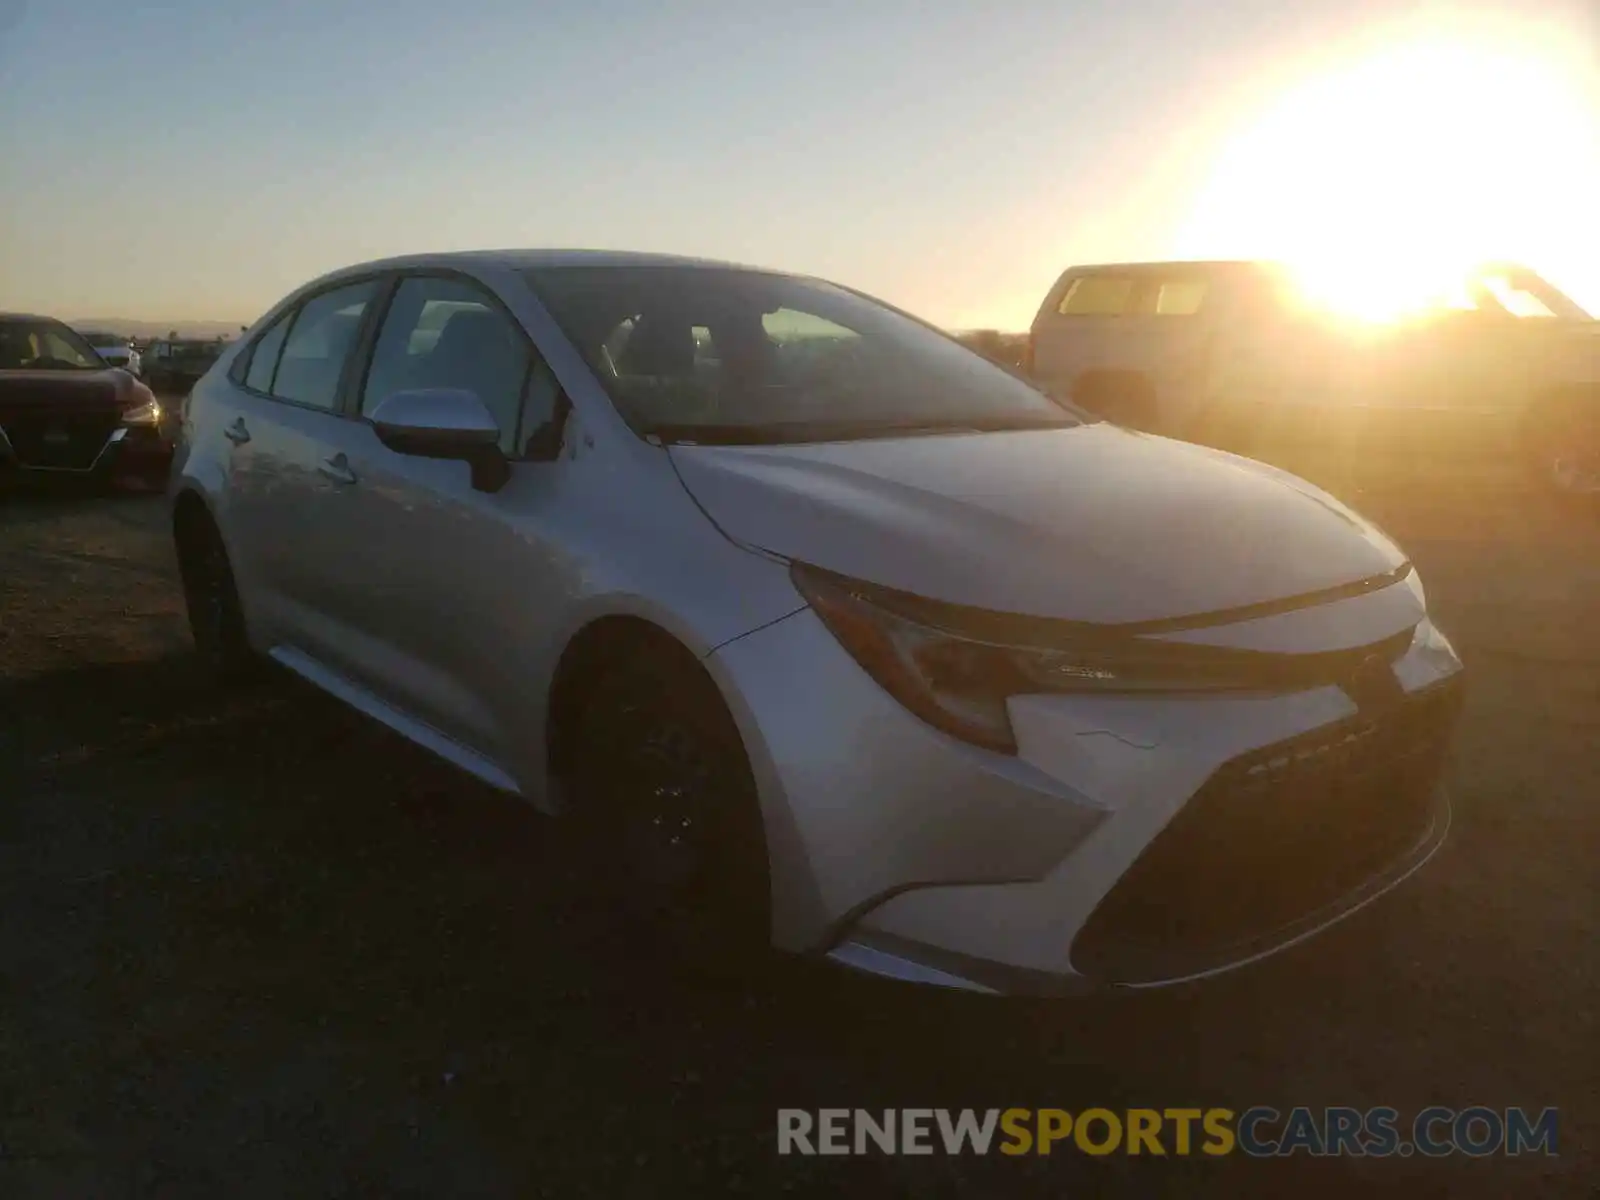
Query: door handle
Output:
(238,433)
(337,469)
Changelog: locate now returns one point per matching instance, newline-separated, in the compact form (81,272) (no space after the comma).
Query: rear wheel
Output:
(216,619)
(665,805)
(1563,442)
(1122,397)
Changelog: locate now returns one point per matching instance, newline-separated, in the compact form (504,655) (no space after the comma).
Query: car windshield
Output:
(1519,293)
(1496,291)
(106,341)
(35,345)
(730,356)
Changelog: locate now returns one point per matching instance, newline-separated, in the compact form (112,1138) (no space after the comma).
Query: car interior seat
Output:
(477,351)
(659,347)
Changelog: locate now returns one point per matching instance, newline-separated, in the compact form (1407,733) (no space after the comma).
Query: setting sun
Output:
(1381,182)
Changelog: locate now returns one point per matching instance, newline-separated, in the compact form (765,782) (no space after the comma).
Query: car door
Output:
(438,597)
(1085,326)
(287,487)
(1173,340)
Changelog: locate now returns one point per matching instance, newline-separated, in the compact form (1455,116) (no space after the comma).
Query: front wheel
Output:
(1564,447)
(1121,397)
(665,804)
(216,618)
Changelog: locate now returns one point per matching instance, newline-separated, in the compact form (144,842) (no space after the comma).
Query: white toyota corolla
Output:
(829,633)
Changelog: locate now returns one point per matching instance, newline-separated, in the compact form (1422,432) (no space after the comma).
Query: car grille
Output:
(63,442)
(1271,839)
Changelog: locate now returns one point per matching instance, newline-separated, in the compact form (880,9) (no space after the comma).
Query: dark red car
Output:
(65,412)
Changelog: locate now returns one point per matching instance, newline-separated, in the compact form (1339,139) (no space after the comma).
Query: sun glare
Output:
(1382,183)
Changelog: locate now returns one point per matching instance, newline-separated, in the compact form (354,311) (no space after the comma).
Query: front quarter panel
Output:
(199,454)
(608,531)
(202,464)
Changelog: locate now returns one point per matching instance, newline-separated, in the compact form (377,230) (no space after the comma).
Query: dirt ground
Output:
(257,947)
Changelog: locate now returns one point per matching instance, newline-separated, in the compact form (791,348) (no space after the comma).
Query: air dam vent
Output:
(1273,837)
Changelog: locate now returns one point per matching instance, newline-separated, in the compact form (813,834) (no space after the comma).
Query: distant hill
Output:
(158,329)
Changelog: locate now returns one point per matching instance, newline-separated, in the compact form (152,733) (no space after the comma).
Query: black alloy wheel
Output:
(216,619)
(663,798)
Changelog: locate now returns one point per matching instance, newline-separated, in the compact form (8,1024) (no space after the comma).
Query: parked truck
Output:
(1230,354)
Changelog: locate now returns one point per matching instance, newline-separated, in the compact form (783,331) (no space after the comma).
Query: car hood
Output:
(1092,523)
(59,390)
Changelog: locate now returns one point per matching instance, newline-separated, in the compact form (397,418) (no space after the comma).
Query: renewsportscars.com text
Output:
(1259,1132)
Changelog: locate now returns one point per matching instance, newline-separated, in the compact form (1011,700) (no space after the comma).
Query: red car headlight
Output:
(146,410)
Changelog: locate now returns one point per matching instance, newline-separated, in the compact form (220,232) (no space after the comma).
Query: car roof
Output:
(1240,265)
(533,259)
(22,316)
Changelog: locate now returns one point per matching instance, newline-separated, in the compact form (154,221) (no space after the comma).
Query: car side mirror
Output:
(448,423)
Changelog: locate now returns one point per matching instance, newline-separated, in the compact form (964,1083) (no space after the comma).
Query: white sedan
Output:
(823,631)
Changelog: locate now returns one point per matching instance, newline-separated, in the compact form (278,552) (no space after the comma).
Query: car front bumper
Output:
(98,447)
(1131,841)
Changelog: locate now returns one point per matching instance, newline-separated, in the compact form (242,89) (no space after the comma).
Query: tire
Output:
(1120,397)
(1563,448)
(664,805)
(216,618)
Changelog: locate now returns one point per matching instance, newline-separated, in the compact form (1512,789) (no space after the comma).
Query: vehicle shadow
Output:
(23,496)
(40,559)
(273,861)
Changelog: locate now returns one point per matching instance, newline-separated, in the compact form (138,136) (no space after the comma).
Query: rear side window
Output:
(264,356)
(1180,297)
(319,344)
(1098,296)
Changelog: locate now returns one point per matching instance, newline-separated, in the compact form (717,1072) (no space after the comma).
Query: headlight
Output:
(148,413)
(951,667)
(1430,640)
(1414,582)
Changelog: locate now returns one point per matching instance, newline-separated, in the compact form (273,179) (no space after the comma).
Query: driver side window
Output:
(805,342)
(448,333)
(58,348)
